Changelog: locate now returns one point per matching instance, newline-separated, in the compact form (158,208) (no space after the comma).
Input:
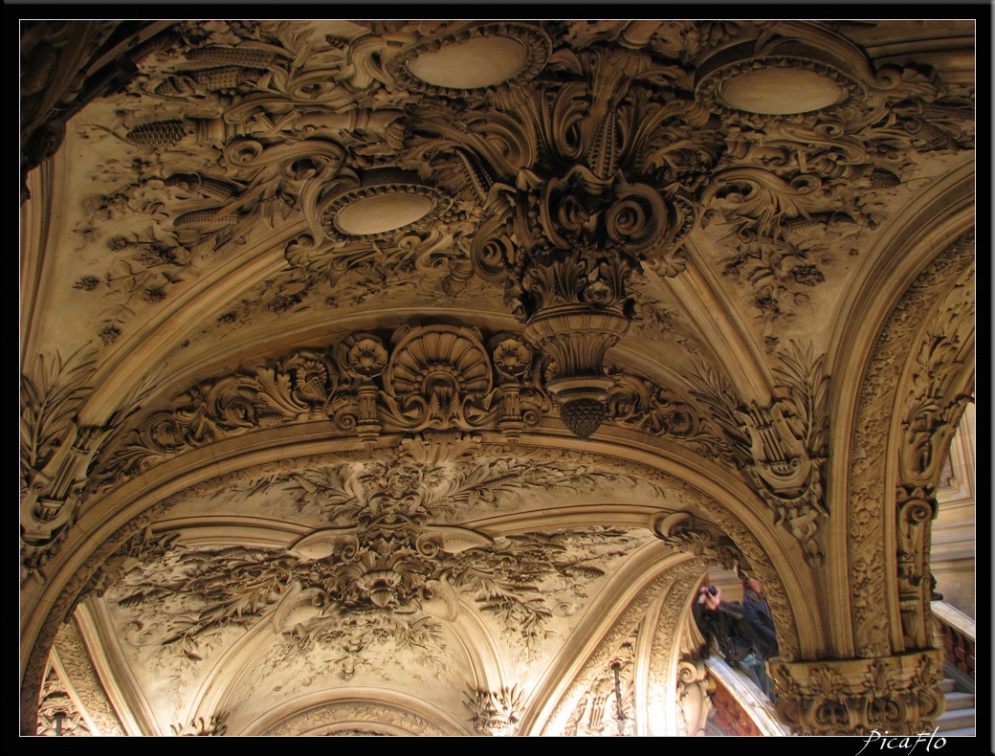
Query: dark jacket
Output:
(739,629)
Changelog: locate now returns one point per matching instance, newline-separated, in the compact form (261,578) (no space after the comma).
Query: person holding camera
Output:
(744,633)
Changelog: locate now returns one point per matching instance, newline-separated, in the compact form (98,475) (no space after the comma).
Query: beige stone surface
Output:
(407,377)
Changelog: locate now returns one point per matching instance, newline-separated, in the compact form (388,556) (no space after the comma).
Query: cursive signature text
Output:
(906,743)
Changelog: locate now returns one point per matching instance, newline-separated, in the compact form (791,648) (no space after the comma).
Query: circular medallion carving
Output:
(774,85)
(781,91)
(476,63)
(476,57)
(385,201)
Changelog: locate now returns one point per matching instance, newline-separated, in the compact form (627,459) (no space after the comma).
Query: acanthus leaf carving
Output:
(859,696)
(638,403)
(494,712)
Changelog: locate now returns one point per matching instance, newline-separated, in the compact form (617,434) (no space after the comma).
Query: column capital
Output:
(897,694)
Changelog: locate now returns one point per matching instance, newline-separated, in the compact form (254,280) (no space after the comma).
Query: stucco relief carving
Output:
(693,700)
(79,669)
(494,712)
(387,569)
(567,225)
(606,708)
(684,532)
(783,446)
(234,131)
(867,494)
(916,508)
(897,694)
(202,727)
(361,718)
(678,39)
(433,377)
(58,714)
(803,179)
(55,452)
(61,72)
(941,383)
(641,404)
(943,373)
(668,635)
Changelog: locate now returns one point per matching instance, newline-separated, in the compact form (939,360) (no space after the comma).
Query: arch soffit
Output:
(912,240)
(137,503)
(315,712)
(880,348)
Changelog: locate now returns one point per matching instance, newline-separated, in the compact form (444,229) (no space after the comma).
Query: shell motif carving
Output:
(438,377)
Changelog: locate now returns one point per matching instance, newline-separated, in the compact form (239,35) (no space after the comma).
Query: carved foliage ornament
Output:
(818,144)
(55,454)
(565,234)
(389,567)
(425,377)
(58,714)
(684,532)
(927,322)
(418,378)
(783,446)
(941,380)
(897,694)
(494,712)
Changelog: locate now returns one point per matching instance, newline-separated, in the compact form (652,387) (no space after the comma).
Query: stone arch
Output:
(138,503)
(358,711)
(931,248)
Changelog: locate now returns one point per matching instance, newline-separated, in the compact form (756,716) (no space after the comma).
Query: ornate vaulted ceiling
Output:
(397,377)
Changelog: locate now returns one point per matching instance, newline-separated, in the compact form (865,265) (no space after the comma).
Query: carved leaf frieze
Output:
(417,378)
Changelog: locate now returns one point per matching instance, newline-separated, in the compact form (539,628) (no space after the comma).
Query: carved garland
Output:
(867,494)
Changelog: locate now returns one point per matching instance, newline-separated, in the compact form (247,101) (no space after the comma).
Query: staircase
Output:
(958,719)
(955,633)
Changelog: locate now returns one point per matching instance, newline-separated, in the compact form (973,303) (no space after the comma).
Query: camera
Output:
(711,590)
